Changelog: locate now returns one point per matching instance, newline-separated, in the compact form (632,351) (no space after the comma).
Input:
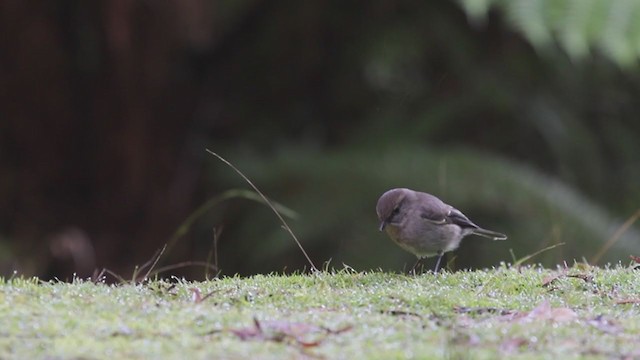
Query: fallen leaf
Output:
(540,312)
(196,295)
(553,277)
(290,328)
(249,332)
(513,345)
(605,325)
(339,331)
(279,331)
(549,279)
(562,314)
(544,312)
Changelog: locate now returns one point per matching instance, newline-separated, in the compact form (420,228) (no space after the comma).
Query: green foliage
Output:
(411,95)
(335,195)
(327,103)
(611,27)
(184,228)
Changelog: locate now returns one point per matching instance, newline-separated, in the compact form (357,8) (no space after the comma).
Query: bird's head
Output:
(389,207)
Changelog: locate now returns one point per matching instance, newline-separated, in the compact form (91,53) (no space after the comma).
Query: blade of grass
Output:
(182,265)
(154,259)
(284,223)
(120,279)
(528,257)
(213,252)
(513,256)
(151,264)
(615,237)
(229,194)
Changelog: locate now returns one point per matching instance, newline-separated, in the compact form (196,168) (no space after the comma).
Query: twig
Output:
(284,223)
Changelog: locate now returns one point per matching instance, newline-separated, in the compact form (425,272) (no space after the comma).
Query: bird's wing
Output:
(433,214)
(454,216)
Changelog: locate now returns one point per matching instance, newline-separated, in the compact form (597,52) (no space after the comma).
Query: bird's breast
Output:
(424,238)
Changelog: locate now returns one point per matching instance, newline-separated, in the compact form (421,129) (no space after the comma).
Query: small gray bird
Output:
(424,225)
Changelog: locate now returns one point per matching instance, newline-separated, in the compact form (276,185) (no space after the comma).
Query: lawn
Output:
(528,312)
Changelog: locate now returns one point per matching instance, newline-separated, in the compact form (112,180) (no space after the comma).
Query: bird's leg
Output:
(415,266)
(440,255)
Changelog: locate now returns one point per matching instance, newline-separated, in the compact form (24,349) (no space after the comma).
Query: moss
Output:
(340,314)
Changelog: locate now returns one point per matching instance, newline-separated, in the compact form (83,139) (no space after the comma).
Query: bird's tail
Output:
(489,234)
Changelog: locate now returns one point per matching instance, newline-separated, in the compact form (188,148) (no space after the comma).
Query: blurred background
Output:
(522,114)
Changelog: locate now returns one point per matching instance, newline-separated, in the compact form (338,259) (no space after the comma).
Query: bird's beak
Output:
(383,224)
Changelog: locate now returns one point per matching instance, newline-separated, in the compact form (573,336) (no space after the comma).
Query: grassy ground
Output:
(581,312)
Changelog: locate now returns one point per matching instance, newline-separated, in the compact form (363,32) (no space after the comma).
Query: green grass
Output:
(340,315)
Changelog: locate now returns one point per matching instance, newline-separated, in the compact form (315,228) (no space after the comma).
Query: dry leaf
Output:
(249,332)
(549,279)
(196,295)
(553,277)
(605,325)
(278,330)
(544,312)
(513,345)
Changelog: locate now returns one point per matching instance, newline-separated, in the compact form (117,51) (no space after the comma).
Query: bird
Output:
(424,225)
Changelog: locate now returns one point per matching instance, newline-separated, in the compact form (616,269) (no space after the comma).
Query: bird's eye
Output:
(395,211)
